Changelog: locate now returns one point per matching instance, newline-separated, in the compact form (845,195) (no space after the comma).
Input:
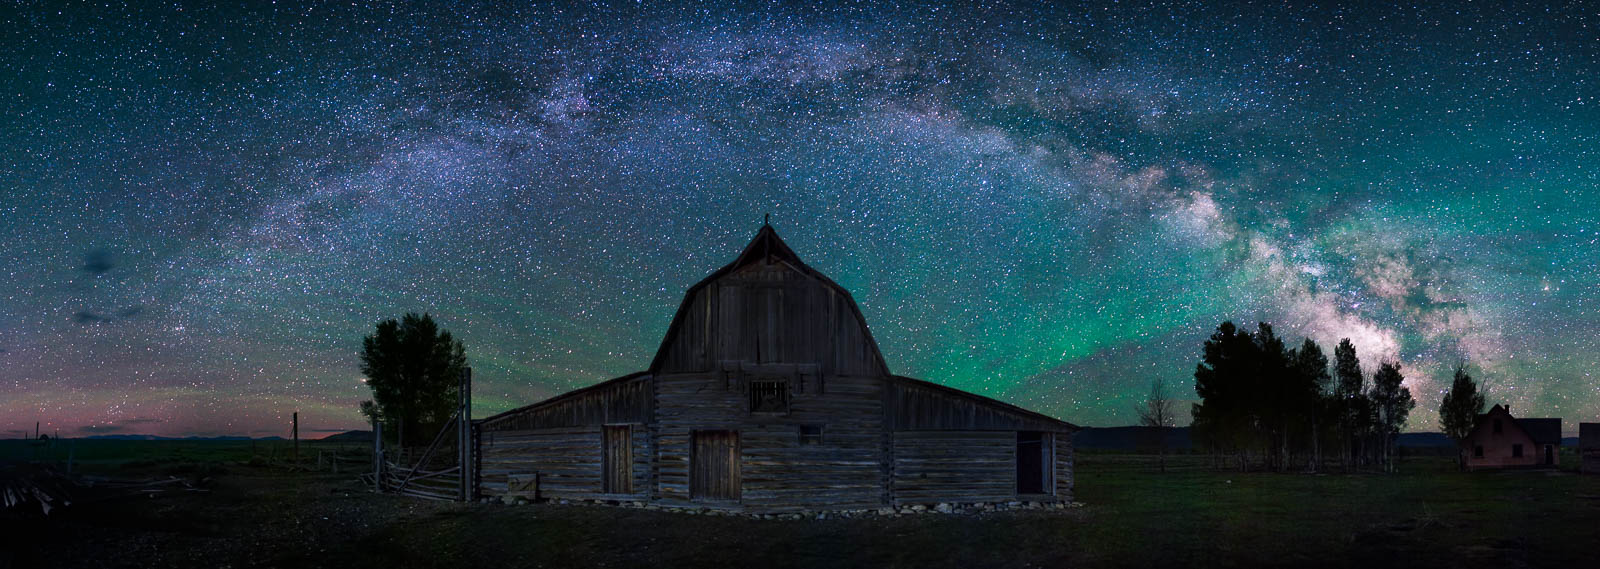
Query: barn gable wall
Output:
(768,311)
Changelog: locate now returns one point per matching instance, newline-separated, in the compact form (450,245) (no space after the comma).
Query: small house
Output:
(768,394)
(1502,441)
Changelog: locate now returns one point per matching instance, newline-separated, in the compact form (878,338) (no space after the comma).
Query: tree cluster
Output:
(1277,406)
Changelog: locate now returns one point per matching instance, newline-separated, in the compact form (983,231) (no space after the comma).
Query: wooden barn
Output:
(1589,448)
(1503,441)
(768,394)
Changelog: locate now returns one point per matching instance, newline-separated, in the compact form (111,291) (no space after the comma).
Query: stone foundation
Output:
(946,508)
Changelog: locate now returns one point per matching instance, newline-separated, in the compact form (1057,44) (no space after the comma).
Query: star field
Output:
(205,209)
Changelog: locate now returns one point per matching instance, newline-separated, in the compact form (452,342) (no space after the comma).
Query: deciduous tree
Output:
(413,368)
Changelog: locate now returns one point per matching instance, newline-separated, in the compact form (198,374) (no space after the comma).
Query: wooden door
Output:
(1033,462)
(714,465)
(617,460)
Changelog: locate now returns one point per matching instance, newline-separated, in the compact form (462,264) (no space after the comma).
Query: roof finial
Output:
(767,220)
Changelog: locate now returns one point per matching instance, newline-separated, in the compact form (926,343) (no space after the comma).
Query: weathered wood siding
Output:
(1589,448)
(778,473)
(769,312)
(1065,462)
(566,462)
(620,401)
(954,466)
(560,442)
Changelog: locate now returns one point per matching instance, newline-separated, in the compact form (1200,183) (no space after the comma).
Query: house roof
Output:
(1544,431)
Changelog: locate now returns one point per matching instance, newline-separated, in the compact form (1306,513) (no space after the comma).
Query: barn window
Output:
(811,434)
(1516,451)
(1477,451)
(1496,426)
(769,397)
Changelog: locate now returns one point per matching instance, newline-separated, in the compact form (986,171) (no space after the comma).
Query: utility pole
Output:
(294,431)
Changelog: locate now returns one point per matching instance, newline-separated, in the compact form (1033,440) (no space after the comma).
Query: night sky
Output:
(205,210)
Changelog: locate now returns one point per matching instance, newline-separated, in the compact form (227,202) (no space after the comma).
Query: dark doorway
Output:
(1549,454)
(714,465)
(617,462)
(1033,462)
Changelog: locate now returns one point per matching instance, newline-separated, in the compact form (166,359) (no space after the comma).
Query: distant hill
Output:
(191,438)
(1132,438)
(350,437)
(1127,438)
(1424,440)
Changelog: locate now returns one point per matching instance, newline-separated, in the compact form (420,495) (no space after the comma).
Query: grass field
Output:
(1428,515)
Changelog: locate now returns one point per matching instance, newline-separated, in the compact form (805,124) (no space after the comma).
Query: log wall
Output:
(560,442)
(843,470)
(954,466)
(566,463)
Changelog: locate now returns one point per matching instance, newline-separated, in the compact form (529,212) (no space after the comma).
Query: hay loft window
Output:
(810,434)
(769,397)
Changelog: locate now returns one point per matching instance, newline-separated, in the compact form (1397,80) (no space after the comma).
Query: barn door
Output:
(1033,462)
(714,465)
(618,460)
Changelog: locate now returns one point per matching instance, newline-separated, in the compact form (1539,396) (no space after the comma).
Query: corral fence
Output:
(444,470)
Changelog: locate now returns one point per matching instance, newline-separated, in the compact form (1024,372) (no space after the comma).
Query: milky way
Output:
(204,210)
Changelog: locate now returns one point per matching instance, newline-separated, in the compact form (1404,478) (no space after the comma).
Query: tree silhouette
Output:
(1308,396)
(413,368)
(1222,418)
(1392,403)
(1349,399)
(1155,413)
(1458,414)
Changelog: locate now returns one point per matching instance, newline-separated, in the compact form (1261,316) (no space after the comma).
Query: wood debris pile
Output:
(32,487)
(38,488)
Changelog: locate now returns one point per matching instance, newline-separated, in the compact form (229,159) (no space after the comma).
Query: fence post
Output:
(377,455)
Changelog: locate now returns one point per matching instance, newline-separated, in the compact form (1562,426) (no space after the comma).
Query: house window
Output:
(1516,451)
(769,397)
(811,434)
(1477,451)
(1496,426)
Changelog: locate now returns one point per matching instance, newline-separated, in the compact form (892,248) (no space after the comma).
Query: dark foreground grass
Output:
(1428,515)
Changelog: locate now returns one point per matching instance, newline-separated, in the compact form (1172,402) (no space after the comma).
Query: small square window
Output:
(1477,451)
(1516,451)
(769,397)
(811,434)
